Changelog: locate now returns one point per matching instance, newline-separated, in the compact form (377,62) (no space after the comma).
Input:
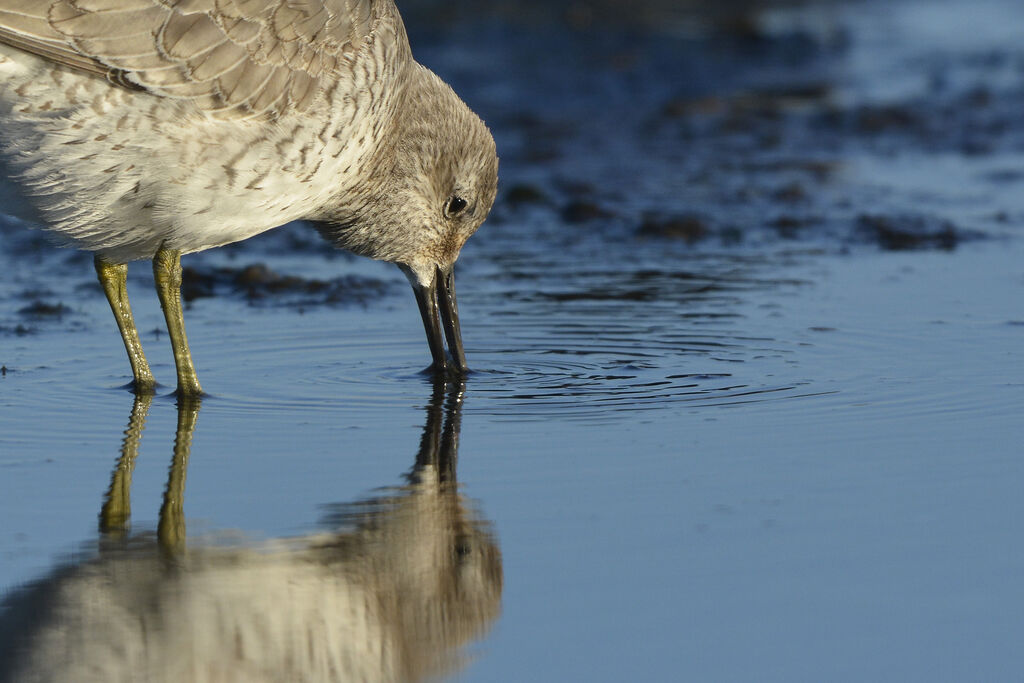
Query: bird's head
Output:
(431,186)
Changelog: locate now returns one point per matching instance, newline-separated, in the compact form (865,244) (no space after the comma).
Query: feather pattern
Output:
(231,58)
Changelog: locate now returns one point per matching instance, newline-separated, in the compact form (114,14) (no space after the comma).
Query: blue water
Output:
(772,458)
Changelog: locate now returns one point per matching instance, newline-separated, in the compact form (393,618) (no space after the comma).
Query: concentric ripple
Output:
(595,344)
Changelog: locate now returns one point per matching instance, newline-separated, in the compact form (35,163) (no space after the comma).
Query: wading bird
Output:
(148,129)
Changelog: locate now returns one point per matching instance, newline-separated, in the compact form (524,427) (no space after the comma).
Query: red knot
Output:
(148,129)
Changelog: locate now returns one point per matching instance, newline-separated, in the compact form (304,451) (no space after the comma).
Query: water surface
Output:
(747,337)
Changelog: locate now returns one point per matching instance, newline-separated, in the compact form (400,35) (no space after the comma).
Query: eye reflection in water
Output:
(391,593)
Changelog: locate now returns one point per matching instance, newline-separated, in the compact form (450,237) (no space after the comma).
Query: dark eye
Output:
(456,205)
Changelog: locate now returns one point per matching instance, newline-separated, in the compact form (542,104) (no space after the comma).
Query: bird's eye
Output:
(455,206)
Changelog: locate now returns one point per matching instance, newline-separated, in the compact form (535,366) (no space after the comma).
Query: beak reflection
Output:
(439,308)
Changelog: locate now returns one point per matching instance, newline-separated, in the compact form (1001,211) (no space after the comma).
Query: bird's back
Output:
(232,59)
(135,125)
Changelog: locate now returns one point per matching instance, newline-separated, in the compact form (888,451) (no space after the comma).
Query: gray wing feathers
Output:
(24,24)
(230,57)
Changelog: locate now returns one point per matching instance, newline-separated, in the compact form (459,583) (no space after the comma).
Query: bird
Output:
(149,129)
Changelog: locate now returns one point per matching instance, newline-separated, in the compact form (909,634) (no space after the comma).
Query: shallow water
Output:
(747,337)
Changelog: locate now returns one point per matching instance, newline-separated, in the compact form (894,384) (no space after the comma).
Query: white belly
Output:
(123,173)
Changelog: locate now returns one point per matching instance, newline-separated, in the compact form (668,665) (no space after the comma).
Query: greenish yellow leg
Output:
(167,274)
(170,531)
(117,505)
(114,279)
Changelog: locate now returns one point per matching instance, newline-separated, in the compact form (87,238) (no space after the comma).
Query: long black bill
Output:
(438,307)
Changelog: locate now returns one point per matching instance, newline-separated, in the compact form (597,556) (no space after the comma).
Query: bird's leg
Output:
(167,274)
(114,279)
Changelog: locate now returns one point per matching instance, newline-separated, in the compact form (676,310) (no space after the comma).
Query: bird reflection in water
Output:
(392,593)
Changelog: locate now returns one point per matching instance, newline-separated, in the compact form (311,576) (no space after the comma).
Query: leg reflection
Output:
(117,506)
(115,514)
(171,527)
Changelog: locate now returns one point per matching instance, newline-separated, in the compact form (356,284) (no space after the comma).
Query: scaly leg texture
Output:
(167,274)
(114,279)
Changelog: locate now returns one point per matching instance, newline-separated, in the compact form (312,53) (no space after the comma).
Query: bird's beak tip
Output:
(439,311)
